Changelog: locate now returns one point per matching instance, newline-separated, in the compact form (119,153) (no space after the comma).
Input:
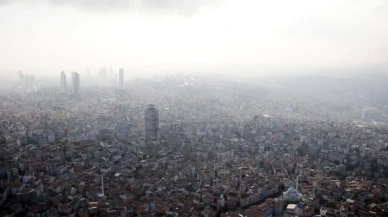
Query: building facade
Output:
(21,79)
(121,77)
(76,83)
(151,116)
(63,82)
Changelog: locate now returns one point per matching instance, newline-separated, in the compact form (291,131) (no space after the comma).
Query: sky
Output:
(164,36)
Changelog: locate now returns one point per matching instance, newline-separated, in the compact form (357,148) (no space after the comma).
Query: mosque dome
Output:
(292,194)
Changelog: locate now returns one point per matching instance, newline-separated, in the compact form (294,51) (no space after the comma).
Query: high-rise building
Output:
(121,77)
(151,116)
(103,72)
(63,82)
(29,81)
(76,83)
(21,78)
(111,72)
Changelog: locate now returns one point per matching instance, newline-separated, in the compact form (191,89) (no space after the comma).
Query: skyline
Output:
(213,36)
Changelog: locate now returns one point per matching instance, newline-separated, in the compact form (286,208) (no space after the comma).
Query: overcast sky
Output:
(44,36)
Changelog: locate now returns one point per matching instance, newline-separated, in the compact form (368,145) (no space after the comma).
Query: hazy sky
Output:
(191,35)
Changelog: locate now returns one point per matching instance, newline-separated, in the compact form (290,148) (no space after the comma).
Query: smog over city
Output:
(208,108)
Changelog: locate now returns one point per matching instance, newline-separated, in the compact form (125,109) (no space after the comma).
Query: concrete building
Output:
(103,73)
(151,117)
(21,79)
(29,80)
(121,77)
(76,83)
(111,72)
(63,82)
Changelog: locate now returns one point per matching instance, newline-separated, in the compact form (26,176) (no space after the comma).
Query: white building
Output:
(76,83)
(121,77)
(63,82)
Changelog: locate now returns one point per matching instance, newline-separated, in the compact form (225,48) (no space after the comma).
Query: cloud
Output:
(4,2)
(170,6)
(95,4)
(84,4)
(185,6)
(382,8)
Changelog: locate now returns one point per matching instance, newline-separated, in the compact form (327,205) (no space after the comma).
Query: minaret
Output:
(102,185)
(214,170)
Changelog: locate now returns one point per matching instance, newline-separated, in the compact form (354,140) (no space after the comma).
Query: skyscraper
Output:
(111,72)
(21,79)
(151,116)
(63,82)
(121,77)
(76,83)
(103,72)
(29,81)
